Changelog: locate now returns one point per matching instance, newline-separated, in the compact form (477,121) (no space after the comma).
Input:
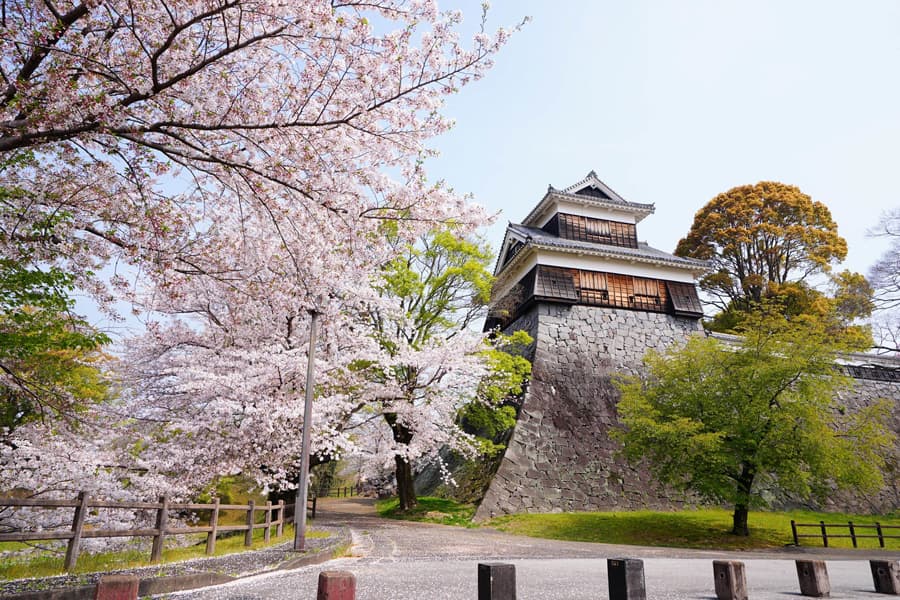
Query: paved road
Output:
(395,560)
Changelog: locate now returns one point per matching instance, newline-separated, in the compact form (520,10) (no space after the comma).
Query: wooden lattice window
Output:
(684,299)
(648,293)
(600,231)
(593,287)
(556,283)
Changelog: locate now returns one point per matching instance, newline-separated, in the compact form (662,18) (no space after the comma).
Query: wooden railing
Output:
(341,492)
(850,526)
(276,516)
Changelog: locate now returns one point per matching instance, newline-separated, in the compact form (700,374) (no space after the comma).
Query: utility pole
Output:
(303,487)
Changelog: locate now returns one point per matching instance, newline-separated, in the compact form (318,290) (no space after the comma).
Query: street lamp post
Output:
(303,487)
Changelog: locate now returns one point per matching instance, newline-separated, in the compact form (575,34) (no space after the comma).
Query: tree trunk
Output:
(739,520)
(406,492)
(742,506)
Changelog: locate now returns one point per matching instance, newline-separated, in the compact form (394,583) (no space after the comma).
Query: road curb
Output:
(152,586)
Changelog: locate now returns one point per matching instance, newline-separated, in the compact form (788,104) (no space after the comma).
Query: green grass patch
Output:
(429,510)
(706,528)
(49,564)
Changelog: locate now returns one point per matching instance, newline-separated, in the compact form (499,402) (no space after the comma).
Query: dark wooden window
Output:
(684,299)
(594,288)
(649,294)
(552,226)
(599,231)
(556,283)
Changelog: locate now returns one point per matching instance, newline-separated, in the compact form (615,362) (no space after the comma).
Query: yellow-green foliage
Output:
(724,421)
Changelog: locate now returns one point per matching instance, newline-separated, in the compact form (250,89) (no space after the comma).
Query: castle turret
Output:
(595,299)
(580,246)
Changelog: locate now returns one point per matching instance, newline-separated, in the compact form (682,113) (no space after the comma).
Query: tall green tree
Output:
(49,357)
(729,421)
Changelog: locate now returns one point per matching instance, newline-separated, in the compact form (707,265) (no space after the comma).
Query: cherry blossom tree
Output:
(233,164)
(142,124)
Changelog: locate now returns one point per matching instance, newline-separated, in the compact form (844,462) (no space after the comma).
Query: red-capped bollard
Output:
(813,578)
(336,585)
(626,579)
(731,581)
(886,574)
(496,581)
(117,587)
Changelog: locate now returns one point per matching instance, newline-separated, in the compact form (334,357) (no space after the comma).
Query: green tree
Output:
(49,357)
(442,285)
(728,421)
(850,300)
(757,235)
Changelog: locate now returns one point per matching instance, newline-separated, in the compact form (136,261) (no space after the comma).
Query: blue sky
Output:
(673,102)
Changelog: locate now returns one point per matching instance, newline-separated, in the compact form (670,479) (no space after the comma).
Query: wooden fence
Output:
(341,492)
(852,528)
(276,515)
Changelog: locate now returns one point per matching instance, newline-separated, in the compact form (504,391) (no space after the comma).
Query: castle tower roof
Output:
(579,245)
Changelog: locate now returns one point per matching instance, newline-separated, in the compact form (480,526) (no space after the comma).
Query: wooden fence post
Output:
(77,526)
(880,534)
(248,537)
(162,521)
(279,530)
(211,536)
(794,531)
(852,533)
(824,533)
(268,533)
(496,581)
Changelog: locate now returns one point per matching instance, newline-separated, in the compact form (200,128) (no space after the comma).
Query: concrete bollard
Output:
(336,585)
(117,587)
(813,578)
(731,580)
(496,581)
(886,574)
(626,579)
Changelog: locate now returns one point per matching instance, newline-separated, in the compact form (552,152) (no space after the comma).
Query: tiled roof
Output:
(612,199)
(643,253)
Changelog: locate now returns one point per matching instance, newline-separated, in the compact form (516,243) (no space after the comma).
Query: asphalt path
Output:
(397,560)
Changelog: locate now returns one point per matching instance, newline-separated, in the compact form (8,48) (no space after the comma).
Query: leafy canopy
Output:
(729,422)
(839,311)
(757,235)
(48,356)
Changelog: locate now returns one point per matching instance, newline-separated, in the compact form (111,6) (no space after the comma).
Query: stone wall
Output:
(560,456)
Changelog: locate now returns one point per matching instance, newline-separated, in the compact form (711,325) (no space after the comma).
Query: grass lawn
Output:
(430,510)
(49,564)
(706,528)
